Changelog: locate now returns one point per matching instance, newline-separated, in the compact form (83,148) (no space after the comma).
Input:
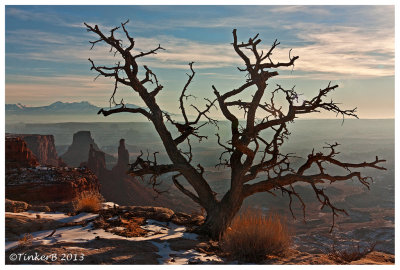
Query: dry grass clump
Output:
(353,253)
(26,240)
(252,236)
(88,202)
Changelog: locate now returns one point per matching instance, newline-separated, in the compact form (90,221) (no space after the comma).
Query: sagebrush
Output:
(88,202)
(252,236)
(352,253)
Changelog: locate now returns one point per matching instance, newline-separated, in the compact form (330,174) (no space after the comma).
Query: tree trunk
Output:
(220,217)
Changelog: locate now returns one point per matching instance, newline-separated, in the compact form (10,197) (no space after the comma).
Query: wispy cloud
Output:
(178,53)
(348,51)
(47,48)
(30,15)
(28,37)
(314,10)
(345,51)
(341,51)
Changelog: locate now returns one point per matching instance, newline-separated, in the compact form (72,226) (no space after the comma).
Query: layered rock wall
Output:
(43,147)
(44,179)
(96,161)
(119,187)
(18,154)
(78,151)
(43,184)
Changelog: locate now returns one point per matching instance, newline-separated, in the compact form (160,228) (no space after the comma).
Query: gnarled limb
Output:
(299,176)
(130,68)
(189,127)
(184,190)
(254,145)
(125,109)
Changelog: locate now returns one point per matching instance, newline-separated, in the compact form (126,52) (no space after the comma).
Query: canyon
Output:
(119,187)
(78,151)
(35,174)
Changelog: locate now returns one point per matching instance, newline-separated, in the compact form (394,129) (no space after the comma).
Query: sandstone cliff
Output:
(42,147)
(119,187)
(78,151)
(18,154)
(27,181)
(96,161)
(123,158)
(44,184)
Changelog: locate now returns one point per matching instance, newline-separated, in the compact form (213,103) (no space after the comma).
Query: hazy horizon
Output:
(47,62)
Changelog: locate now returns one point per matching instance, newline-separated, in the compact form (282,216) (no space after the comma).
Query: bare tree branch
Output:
(184,190)
(253,145)
(124,109)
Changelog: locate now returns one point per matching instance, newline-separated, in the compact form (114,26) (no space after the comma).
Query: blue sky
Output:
(47,50)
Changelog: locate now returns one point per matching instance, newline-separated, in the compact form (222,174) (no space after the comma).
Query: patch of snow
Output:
(108,205)
(119,228)
(85,248)
(42,168)
(154,228)
(58,216)
(182,257)
(166,230)
(191,236)
(74,234)
(79,234)
(80,217)
(158,231)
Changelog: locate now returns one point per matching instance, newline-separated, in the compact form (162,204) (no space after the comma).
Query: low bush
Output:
(252,236)
(88,202)
(352,253)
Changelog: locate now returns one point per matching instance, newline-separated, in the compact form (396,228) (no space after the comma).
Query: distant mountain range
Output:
(58,107)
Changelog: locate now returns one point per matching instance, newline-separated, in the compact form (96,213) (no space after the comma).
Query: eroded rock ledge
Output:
(48,184)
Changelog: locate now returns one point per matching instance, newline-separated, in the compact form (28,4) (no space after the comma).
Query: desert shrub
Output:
(252,236)
(352,253)
(88,202)
(26,240)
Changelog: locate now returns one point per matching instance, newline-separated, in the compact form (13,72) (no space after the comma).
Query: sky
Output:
(47,50)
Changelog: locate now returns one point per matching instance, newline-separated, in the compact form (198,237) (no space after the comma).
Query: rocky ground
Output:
(126,235)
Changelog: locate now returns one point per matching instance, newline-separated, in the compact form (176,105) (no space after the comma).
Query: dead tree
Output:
(249,154)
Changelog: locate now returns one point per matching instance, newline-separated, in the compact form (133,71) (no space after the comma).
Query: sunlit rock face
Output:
(18,154)
(41,146)
(39,175)
(78,151)
(44,148)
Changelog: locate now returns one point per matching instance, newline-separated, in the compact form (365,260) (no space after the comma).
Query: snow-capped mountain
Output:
(58,107)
